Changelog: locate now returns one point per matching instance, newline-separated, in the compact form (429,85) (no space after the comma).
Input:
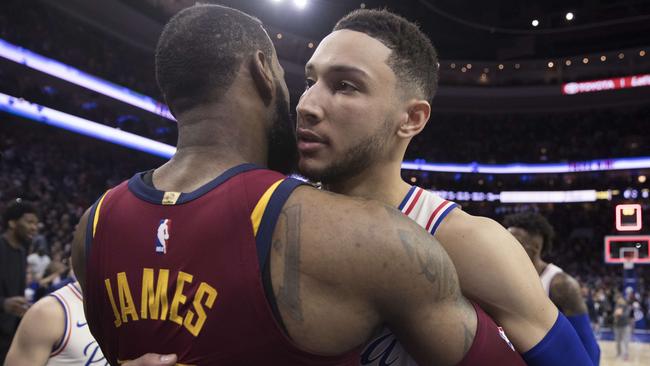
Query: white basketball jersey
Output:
(77,346)
(428,210)
(547,275)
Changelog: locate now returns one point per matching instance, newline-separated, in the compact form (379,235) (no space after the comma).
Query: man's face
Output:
(282,154)
(25,228)
(528,241)
(350,110)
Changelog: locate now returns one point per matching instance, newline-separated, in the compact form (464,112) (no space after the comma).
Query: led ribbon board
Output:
(78,77)
(591,86)
(52,117)
(573,167)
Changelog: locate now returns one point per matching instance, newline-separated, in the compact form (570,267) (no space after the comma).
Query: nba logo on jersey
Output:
(505,338)
(162,237)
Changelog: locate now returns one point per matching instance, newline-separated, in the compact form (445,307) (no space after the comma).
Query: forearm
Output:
(560,346)
(582,326)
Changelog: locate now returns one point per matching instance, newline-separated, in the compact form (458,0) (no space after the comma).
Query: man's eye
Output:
(309,83)
(345,86)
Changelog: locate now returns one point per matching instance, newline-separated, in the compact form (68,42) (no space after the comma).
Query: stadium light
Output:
(535,22)
(39,113)
(569,16)
(78,77)
(300,4)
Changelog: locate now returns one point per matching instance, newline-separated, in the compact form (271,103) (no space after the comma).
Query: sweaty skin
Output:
(354,106)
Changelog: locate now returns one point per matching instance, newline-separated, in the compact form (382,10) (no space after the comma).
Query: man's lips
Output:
(309,141)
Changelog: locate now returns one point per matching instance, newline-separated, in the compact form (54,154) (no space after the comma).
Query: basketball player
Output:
(369,85)
(223,262)
(535,234)
(54,332)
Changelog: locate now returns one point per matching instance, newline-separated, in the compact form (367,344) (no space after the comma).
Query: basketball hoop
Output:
(629,256)
(628,263)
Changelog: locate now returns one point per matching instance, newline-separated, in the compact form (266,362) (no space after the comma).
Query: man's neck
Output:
(380,182)
(10,237)
(540,265)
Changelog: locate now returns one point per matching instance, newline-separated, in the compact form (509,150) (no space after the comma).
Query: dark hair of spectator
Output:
(15,210)
(414,60)
(200,51)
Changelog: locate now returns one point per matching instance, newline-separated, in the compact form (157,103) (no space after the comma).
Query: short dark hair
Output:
(534,224)
(200,51)
(413,59)
(15,210)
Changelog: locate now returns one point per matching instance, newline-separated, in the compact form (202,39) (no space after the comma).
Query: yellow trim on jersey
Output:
(96,216)
(258,212)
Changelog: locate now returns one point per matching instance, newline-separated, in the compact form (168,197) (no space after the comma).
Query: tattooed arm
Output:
(342,268)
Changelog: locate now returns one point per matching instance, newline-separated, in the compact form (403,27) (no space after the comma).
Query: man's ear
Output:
(418,112)
(260,69)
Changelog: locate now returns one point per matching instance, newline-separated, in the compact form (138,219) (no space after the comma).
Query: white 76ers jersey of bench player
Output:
(428,210)
(77,346)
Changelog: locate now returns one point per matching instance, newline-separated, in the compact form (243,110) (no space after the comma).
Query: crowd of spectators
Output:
(62,174)
(449,137)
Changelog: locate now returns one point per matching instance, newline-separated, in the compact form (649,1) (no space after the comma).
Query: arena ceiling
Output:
(477,30)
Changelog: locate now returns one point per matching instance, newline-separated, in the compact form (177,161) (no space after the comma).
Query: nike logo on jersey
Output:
(79,325)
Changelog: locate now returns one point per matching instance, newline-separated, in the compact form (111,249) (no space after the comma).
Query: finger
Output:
(152,359)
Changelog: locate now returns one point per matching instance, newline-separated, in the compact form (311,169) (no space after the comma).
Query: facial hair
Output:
(355,160)
(283,145)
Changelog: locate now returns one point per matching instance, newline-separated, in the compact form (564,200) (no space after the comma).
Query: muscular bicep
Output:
(40,330)
(343,268)
(494,270)
(565,293)
(79,249)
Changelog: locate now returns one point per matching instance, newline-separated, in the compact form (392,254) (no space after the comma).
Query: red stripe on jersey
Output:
(75,291)
(435,212)
(415,200)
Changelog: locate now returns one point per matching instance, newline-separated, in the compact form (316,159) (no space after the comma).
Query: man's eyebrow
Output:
(338,68)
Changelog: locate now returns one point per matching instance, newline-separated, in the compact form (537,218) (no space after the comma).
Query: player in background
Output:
(54,332)
(536,235)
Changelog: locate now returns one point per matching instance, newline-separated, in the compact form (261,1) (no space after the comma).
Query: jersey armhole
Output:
(264,238)
(91,225)
(63,342)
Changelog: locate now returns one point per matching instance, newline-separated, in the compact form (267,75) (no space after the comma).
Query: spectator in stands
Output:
(39,260)
(20,222)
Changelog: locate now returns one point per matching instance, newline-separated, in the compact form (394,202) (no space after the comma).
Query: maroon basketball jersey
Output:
(171,272)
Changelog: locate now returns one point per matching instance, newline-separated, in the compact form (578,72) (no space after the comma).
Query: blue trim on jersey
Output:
(65,317)
(147,193)
(89,231)
(270,218)
(407,198)
(444,213)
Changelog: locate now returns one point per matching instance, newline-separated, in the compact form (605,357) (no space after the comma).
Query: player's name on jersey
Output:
(154,304)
